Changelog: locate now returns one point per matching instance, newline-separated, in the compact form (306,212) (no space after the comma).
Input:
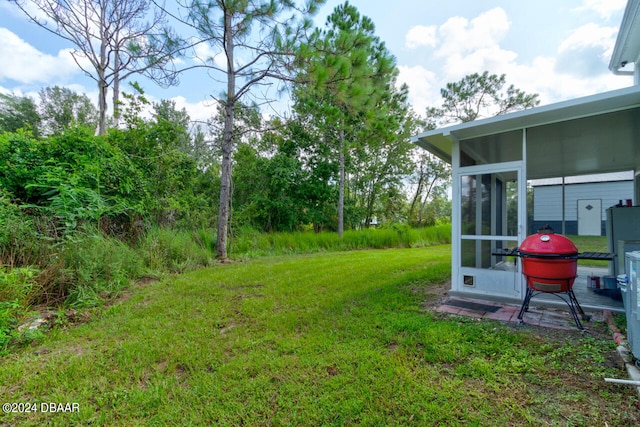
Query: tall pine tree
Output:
(347,77)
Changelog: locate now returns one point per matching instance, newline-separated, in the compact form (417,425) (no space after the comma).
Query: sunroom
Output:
(492,161)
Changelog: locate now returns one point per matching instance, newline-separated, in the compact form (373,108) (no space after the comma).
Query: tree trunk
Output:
(227,146)
(102,107)
(341,187)
(416,197)
(225,187)
(370,201)
(102,82)
(116,90)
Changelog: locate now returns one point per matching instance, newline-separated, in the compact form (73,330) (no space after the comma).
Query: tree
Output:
(61,107)
(381,164)
(256,40)
(17,112)
(165,112)
(113,37)
(479,96)
(430,178)
(347,81)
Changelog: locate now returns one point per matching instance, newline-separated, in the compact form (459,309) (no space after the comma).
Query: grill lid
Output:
(547,242)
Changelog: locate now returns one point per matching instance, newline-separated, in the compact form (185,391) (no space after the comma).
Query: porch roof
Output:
(593,134)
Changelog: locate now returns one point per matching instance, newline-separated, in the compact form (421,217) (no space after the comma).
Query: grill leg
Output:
(525,303)
(583,315)
(573,305)
(571,301)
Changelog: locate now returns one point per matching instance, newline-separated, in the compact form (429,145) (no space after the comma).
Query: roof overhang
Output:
(627,48)
(594,134)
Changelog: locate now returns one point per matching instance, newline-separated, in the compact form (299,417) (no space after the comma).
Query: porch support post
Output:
(456,236)
(523,227)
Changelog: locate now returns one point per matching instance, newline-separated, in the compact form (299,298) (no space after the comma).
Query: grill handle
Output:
(547,256)
(546,229)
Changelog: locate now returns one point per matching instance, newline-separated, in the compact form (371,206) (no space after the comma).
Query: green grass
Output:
(591,244)
(340,338)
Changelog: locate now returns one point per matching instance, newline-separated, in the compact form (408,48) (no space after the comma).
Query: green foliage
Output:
(9,312)
(16,293)
(17,284)
(174,189)
(269,190)
(348,98)
(62,108)
(97,267)
(19,241)
(478,96)
(73,176)
(18,112)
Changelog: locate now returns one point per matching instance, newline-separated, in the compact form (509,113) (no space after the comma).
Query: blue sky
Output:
(558,49)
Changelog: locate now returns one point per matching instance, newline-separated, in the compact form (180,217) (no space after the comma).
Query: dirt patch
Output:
(435,294)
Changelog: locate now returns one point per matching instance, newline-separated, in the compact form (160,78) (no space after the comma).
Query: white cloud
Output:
(604,8)
(458,35)
(25,64)
(424,88)
(205,53)
(491,58)
(586,52)
(32,9)
(198,111)
(421,36)
(473,46)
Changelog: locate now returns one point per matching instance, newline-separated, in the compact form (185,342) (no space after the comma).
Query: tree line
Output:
(343,157)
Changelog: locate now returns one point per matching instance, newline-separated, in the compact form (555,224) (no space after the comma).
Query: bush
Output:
(20,242)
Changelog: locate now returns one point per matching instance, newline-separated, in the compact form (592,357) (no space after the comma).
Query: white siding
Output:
(547,203)
(547,200)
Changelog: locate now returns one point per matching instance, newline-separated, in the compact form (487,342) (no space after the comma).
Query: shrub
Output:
(20,242)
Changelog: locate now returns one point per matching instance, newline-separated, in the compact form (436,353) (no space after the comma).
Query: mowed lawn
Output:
(344,338)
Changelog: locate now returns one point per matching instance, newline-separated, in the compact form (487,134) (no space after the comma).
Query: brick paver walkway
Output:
(535,316)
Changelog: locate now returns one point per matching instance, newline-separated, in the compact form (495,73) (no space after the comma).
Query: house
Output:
(499,155)
(578,205)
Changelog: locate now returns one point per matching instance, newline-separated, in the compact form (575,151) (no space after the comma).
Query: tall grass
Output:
(248,243)
(175,251)
(96,267)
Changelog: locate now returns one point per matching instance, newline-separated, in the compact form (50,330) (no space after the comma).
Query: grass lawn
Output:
(591,244)
(344,338)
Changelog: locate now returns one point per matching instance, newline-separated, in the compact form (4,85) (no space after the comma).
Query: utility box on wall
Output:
(623,235)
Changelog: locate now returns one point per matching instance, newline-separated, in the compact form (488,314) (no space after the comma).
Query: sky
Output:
(557,49)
